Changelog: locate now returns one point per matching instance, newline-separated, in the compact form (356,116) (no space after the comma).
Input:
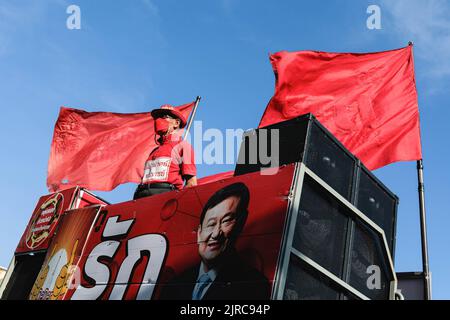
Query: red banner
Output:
(59,272)
(100,150)
(155,247)
(47,216)
(368,101)
(44,220)
(215,177)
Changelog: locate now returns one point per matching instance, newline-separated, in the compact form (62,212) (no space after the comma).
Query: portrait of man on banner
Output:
(222,273)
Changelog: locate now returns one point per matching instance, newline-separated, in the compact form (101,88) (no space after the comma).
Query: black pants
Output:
(144,190)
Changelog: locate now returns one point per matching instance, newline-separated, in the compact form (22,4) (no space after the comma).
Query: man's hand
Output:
(190,181)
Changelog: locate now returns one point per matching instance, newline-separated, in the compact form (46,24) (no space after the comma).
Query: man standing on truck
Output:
(171,165)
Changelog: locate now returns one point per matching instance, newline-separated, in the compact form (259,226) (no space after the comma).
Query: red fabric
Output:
(100,150)
(215,177)
(169,162)
(368,101)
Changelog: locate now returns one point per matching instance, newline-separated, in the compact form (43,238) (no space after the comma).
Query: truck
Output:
(318,225)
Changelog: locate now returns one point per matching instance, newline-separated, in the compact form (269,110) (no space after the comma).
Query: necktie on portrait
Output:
(203,282)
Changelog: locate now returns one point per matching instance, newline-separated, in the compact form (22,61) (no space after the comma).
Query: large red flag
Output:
(100,150)
(368,101)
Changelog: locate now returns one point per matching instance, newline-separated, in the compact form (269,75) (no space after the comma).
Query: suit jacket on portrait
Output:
(235,280)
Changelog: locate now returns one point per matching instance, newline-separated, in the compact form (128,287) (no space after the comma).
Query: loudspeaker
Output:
(304,139)
(332,244)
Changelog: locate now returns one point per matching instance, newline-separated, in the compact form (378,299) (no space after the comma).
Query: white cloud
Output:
(427,24)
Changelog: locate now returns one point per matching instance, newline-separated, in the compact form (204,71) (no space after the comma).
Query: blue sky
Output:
(132,56)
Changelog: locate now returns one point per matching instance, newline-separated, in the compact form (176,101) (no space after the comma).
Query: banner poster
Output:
(44,220)
(217,241)
(59,269)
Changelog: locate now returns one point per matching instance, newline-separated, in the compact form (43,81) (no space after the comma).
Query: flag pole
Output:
(191,119)
(423,226)
(423,231)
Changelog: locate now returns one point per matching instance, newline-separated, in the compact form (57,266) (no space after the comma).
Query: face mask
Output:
(161,126)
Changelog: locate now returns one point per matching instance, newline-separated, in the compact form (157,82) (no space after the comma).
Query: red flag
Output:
(100,150)
(368,101)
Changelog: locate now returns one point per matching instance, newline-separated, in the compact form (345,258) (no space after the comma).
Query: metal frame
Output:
(288,233)
(346,270)
(79,196)
(306,150)
(8,274)
(328,274)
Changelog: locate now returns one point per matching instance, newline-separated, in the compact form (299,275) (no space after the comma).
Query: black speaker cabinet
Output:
(304,139)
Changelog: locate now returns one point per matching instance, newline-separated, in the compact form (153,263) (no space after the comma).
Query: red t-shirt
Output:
(169,162)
